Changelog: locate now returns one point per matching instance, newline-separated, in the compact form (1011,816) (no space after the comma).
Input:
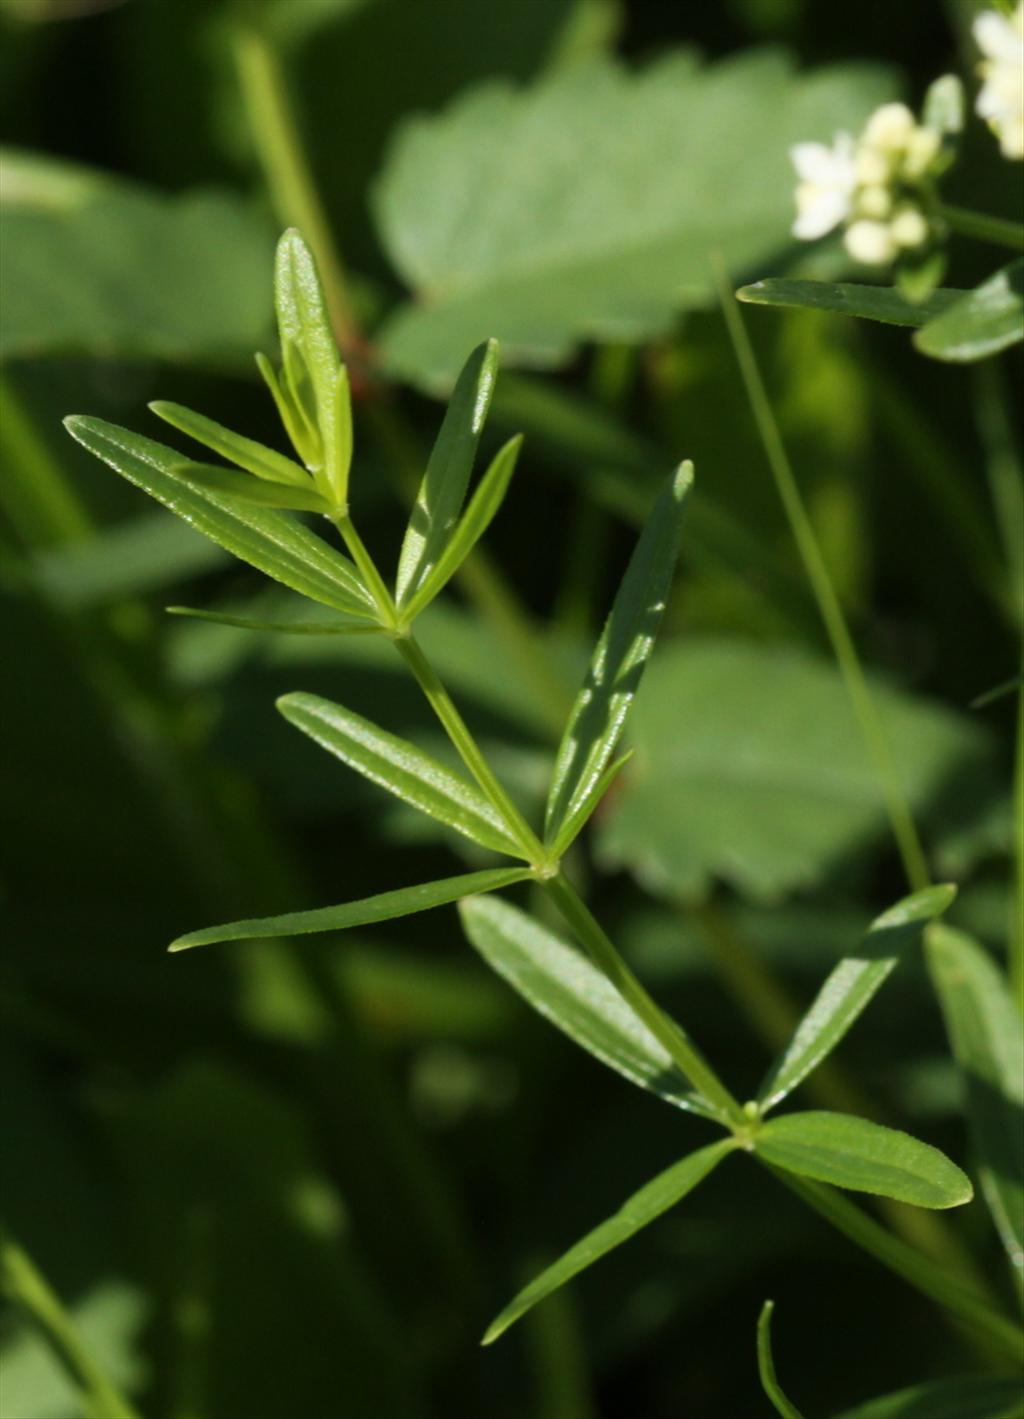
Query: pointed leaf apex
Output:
(919,906)
(682,480)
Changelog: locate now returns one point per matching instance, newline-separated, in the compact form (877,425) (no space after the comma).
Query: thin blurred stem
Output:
(927,1276)
(275,131)
(1005,477)
(28,1289)
(985,228)
(42,505)
(604,955)
(872,729)
(1017,923)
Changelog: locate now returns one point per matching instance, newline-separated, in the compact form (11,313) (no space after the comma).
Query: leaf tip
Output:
(682,479)
(496,1329)
(750,294)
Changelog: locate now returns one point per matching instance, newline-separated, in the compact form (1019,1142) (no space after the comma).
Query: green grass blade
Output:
(400,767)
(444,484)
(849,989)
(971,1397)
(482,509)
(643,1207)
(235,484)
(578,999)
(383,907)
(981,323)
(291,628)
(766,1365)
(882,303)
(865,1157)
(597,718)
(247,453)
(581,814)
(309,349)
(276,545)
(987,1037)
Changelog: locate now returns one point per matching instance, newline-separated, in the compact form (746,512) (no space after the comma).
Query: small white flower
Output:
(870,243)
(874,201)
(824,194)
(889,128)
(1001,100)
(921,151)
(909,228)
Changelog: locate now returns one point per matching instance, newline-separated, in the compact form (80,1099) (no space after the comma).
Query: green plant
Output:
(592,995)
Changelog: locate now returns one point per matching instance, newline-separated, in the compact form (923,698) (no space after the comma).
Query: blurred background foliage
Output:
(277,1179)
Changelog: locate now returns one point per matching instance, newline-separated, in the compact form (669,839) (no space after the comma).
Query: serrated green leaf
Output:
(863,1156)
(604,234)
(981,323)
(581,815)
(849,989)
(987,1037)
(235,484)
(247,453)
(643,1207)
(291,628)
(483,507)
(766,1366)
(972,1397)
(385,906)
(400,767)
(563,986)
(883,303)
(599,713)
(443,489)
(276,545)
(313,369)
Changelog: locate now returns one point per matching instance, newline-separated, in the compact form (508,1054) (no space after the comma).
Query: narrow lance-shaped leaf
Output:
(291,628)
(562,985)
(981,323)
(383,907)
(643,1207)
(766,1366)
(276,545)
(443,489)
(849,989)
(597,718)
(247,489)
(400,767)
(987,1036)
(581,814)
(972,1397)
(309,351)
(882,303)
(483,507)
(247,453)
(863,1156)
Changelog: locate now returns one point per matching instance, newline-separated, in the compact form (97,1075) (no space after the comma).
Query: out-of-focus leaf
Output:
(247,453)
(276,545)
(94,265)
(848,991)
(483,507)
(987,1036)
(766,1366)
(400,767)
(973,1397)
(636,1212)
(863,1156)
(598,715)
(383,907)
(443,489)
(749,766)
(983,322)
(290,628)
(562,985)
(883,303)
(606,232)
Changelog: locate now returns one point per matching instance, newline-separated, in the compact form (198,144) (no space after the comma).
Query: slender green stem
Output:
(985,228)
(1005,477)
(41,504)
(28,1289)
(468,750)
(872,729)
(604,955)
(375,583)
(1017,924)
(929,1277)
(292,189)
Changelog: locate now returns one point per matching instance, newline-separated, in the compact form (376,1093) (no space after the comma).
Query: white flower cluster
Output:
(874,186)
(1001,100)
